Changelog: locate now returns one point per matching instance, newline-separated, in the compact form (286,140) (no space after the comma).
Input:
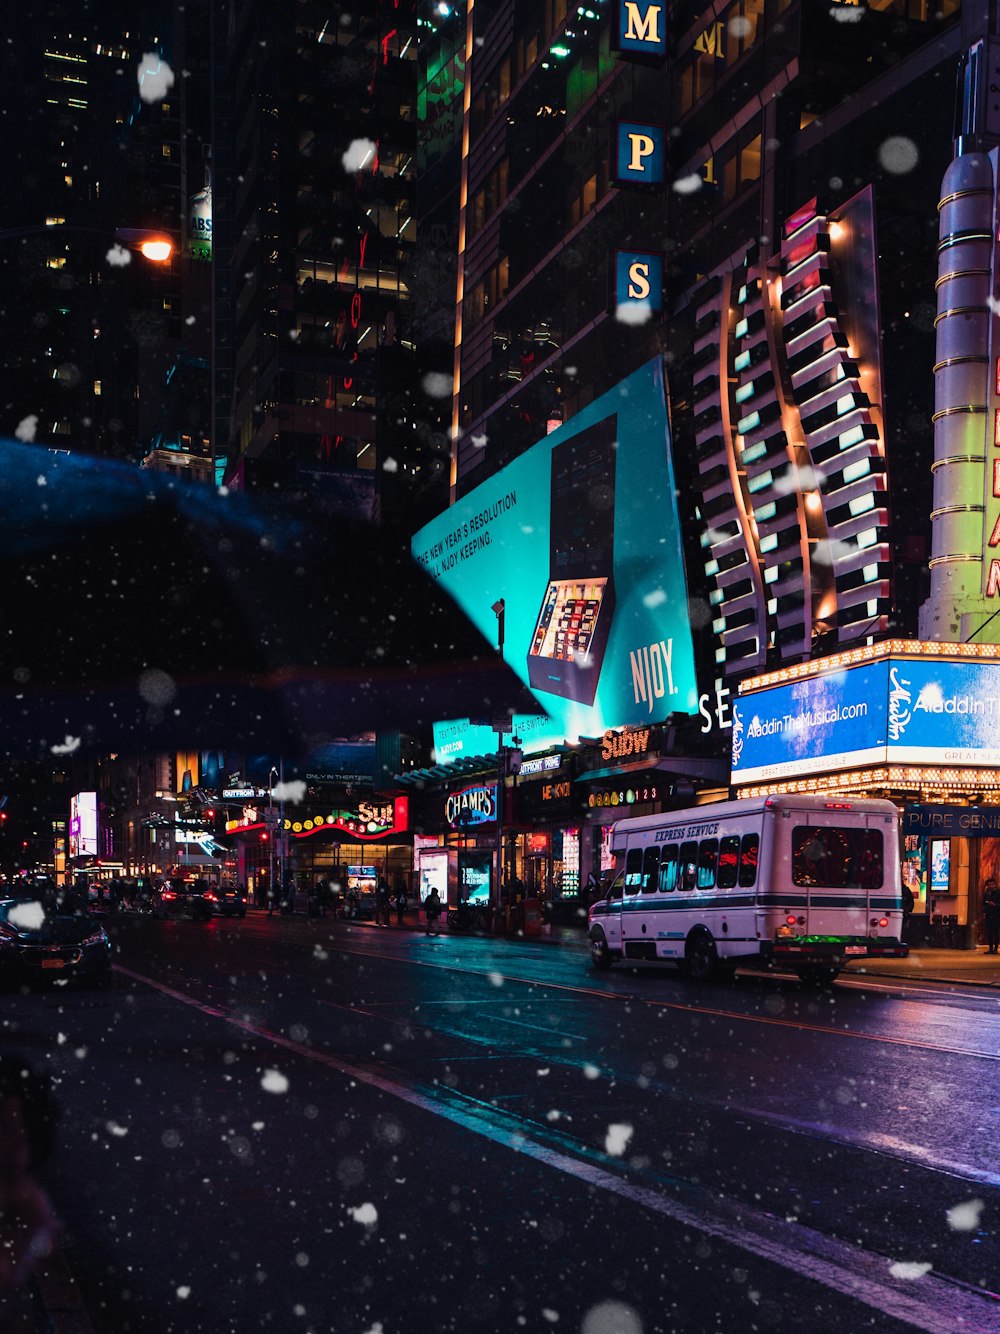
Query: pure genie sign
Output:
(580,536)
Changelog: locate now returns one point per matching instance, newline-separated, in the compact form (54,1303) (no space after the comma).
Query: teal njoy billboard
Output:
(580,537)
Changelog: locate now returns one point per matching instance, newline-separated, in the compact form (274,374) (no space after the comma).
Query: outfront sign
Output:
(897,711)
(580,536)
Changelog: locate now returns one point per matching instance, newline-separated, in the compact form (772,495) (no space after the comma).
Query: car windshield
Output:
(27,912)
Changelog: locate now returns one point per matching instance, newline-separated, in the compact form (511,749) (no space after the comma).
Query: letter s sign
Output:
(638,278)
(638,287)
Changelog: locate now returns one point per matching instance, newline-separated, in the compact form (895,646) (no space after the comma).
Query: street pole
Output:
(282,848)
(270,839)
(498,608)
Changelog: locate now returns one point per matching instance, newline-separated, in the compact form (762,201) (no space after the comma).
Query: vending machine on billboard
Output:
(571,631)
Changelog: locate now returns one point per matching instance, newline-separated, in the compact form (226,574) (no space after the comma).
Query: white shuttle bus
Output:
(801,883)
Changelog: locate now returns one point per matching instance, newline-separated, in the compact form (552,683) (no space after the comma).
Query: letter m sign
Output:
(642,27)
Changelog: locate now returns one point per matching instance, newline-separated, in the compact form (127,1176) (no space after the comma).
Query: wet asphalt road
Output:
(308,1125)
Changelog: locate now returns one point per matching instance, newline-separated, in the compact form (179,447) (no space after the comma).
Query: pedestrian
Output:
(400,904)
(432,911)
(383,905)
(991,915)
(908,902)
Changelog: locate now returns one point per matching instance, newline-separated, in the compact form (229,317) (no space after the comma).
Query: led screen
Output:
(900,711)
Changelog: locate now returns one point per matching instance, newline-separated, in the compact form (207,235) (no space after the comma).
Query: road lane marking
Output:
(931,1303)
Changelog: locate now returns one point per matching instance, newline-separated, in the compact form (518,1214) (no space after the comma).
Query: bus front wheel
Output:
(701,958)
(600,954)
(818,975)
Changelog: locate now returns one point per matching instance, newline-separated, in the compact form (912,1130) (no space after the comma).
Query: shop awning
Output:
(709,770)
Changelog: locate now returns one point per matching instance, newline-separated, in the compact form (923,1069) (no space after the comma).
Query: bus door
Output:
(640,918)
(838,861)
(612,919)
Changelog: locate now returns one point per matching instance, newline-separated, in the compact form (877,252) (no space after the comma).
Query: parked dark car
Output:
(51,936)
(230,900)
(186,898)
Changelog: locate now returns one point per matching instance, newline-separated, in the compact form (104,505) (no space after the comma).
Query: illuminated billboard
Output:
(897,711)
(83,825)
(580,537)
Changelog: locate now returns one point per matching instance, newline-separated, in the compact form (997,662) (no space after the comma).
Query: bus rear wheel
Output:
(701,958)
(600,955)
(818,975)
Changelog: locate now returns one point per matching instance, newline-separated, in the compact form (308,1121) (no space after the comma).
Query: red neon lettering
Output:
(385,45)
(995,535)
(355,309)
(993,582)
(362,247)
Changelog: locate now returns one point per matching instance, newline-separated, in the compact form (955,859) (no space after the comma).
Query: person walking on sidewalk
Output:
(383,905)
(991,915)
(400,903)
(432,911)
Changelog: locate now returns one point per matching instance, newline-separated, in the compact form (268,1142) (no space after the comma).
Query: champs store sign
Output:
(472,806)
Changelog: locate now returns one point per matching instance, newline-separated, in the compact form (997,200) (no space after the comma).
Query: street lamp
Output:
(152,244)
(498,609)
(272,775)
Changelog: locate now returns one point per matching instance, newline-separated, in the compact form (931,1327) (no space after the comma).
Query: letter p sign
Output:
(640,154)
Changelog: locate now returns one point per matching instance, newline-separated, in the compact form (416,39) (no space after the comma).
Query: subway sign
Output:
(641,28)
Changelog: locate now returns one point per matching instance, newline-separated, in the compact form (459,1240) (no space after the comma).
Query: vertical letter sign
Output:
(638,279)
(642,27)
(639,153)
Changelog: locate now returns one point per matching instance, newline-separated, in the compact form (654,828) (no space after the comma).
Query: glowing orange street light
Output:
(158,249)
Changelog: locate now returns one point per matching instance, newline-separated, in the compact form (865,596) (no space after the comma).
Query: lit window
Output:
(56,262)
(97,388)
(855,470)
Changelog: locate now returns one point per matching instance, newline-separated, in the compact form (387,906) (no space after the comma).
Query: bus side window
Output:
(748,860)
(870,872)
(668,869)
(729,861)
(633,871)
(708,856)
(650,869)
(688,865)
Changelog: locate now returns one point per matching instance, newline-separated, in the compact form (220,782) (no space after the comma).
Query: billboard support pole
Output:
(498,609)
